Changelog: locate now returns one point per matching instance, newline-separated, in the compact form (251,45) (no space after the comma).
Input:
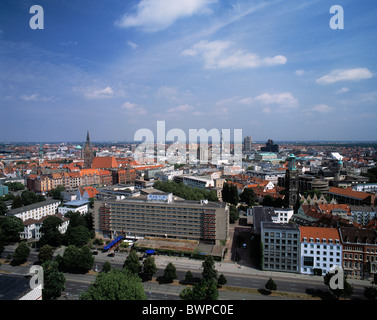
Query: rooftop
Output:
(32,206)
(319,233)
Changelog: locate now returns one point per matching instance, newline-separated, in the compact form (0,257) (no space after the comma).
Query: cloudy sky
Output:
(273,68)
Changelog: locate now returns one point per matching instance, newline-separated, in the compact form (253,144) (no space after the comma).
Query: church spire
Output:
(88,153)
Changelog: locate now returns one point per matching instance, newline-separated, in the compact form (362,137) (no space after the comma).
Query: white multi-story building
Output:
(321,249)
(33,215)
(282,215)
(32,227)
(81,206)
(36,210)
(198,182)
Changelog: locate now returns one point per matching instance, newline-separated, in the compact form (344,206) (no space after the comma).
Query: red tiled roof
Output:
(327,208)
(91,191)
(104,162)
(348,192)
(320,233)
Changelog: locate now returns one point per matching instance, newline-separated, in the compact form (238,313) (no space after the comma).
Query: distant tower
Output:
(339,167)
(88,153)
(40,153)
(292,183)
(247,144)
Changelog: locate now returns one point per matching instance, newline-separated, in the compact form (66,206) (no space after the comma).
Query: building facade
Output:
(36,210)
(281,247)
(359,252)
(321,249)
(158,215)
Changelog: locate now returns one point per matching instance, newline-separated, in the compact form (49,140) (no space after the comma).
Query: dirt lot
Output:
(168,244)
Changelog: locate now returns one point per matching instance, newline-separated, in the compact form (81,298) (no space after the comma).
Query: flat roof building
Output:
(281,247)
(162,215)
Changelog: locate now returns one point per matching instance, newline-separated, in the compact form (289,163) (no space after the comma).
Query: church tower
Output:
(88,153)
(292,183)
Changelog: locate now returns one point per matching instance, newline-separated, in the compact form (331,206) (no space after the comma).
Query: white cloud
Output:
(156,15)
(35,97)
(132,45)
(68,43)
(345,75)
(342,90)
(299,72)
(322,108)
(181,108)
(133,108)
(285,99)
(98,93)
(221,54)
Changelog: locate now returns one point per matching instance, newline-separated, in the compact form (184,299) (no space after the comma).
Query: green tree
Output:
(230,193)
(233,214)
(77,260)
(248,196)
(209,272)
(57,192)
(203,290)
(184,191)
(53,281)
(271,285)
(15,186)
(20,254)
(77,236)
(371,174)
(89,221)
(18,202)
(188,276)
(149,268)
(212,292)
(50,232)
(370,293)
(45,253)
(170,272)
(132,263)
(115,285)
(221,280)
(10,227)
(106,267)
(29,197)
(76,219)
(3,208)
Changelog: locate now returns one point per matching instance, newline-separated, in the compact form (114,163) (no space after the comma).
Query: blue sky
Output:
(273,68)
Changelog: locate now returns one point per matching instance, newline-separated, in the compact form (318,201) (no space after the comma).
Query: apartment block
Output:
(36,210)
(159,215)
(321,249)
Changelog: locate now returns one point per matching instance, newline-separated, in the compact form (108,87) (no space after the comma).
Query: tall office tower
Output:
(270,147)
(247,143)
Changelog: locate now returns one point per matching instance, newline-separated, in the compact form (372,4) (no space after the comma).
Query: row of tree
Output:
(186,192)
(78,233)
(207,287)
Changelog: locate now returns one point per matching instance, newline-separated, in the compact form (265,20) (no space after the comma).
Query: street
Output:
(238,276)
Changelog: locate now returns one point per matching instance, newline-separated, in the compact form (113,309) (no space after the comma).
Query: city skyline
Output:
(274,69)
